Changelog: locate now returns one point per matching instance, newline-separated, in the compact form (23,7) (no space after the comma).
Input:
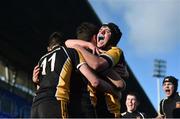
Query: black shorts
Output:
(81,107)
(49,108)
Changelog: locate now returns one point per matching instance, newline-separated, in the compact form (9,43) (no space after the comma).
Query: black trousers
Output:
(46,108)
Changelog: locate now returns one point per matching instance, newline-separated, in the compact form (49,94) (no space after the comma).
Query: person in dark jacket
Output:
(170,106)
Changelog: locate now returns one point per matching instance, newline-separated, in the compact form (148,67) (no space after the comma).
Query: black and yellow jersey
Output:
(114,56)
(56,68)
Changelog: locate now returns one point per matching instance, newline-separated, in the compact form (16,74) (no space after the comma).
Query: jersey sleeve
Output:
(112,56)
(77,58)
(81,60)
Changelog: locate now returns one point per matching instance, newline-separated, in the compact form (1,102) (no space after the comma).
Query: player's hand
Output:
(97,51)
(36,74)
(122,70)
(93,48)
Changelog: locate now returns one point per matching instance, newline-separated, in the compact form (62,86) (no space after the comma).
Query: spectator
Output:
(170,106)
(132,104)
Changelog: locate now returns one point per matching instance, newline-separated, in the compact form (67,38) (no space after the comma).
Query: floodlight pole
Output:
(159,72)
(158,94)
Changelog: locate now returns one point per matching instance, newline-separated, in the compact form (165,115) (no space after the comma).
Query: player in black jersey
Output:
(170,106)
(57,66)
(80,103)
(132,103)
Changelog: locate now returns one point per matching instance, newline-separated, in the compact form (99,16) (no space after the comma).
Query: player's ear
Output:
(93,39)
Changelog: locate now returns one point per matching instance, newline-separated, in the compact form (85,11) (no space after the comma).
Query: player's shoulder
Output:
(162,100)
(50,52)
(143,115)
(115,49)
(70,50)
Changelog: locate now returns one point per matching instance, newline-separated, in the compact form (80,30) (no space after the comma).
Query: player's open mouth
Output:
(100,37)
(167,91)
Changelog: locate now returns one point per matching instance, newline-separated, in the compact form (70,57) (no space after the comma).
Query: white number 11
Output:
(44,62)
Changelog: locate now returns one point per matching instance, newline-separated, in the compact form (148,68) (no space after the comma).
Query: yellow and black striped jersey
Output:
(56,68)
(114,56)
(116,60)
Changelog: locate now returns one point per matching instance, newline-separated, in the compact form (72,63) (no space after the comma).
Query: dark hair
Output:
(115,33)
(133,94)
(56,38)
(173,80)
(86,30)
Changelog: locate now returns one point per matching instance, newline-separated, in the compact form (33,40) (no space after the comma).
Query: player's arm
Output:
(95,81)
(71,43)
(35,77)
(95,62)
(117,75)
(121,69)
(115,79)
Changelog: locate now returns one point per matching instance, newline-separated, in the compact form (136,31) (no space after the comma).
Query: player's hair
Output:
(173,80)
(115,34)
(134,94)
(56,38)
(86,30)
